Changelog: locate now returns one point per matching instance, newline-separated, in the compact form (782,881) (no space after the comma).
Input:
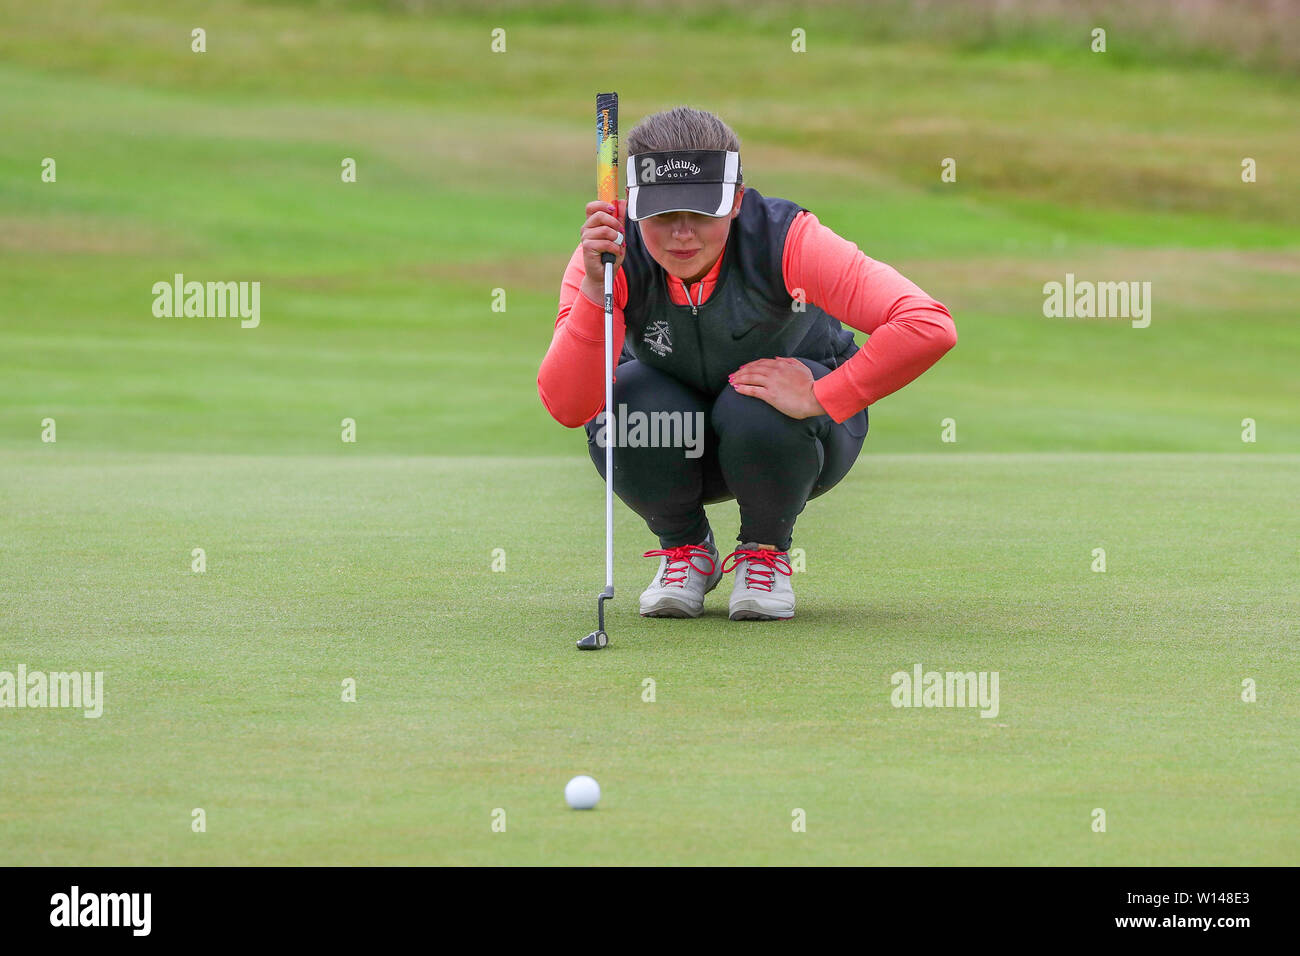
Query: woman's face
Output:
(704,237)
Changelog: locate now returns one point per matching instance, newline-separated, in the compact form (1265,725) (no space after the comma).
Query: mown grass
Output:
(223,689)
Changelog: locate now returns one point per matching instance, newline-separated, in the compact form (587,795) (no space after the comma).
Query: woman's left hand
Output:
(784,383)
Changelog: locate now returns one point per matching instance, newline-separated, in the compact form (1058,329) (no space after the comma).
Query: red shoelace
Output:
(683,556)
(762,569)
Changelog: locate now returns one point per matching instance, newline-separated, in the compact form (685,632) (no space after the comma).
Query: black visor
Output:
(682,180)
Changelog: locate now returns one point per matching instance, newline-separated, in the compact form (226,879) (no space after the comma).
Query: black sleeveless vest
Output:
(748,316)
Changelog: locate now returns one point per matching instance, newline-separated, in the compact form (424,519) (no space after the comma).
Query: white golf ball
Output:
(582,793)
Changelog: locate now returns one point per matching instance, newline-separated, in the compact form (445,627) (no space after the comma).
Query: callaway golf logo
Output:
(658,338)
(102,909)
(77,690)
(679,168)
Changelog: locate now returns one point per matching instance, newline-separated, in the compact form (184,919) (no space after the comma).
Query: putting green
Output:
(223,690)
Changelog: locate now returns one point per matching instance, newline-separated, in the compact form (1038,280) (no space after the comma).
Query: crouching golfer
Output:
(725,308)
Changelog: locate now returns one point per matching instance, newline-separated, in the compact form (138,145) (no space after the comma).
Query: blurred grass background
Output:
(474,167)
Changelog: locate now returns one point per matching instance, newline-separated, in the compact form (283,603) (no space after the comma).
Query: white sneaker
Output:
(763,591)
(685,575)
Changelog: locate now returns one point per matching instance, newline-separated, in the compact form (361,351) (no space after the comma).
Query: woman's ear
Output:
(735,207)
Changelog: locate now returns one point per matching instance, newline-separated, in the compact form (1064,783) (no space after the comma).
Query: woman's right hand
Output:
(598,234)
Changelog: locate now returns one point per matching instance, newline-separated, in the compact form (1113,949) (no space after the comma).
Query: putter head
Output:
(594,641)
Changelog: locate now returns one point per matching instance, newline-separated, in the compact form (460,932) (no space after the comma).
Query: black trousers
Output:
(770,463)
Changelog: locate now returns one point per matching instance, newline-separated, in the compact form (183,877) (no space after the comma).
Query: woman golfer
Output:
(727,309)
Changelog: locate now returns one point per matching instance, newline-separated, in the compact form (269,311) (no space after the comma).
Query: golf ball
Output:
(582,793)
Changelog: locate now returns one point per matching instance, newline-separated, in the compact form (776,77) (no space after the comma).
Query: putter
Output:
(607,191)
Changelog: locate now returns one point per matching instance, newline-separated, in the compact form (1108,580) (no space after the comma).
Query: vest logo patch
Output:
(658,338)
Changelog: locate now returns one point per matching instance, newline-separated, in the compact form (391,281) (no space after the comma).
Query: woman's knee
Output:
(642,387)
(657,421)
(752,421)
